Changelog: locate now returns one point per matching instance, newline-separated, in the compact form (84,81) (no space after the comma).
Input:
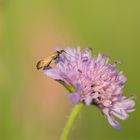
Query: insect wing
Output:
(46,62)
(43,63)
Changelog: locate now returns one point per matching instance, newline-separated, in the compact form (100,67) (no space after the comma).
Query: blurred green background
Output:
(33,107)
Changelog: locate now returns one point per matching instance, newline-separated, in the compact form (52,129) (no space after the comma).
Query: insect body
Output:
(44,63)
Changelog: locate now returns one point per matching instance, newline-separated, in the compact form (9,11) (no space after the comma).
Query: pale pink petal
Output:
(121,114)
(52,74)
(75,97)
(111,120)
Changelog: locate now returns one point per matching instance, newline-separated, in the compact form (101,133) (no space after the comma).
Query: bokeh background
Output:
(34,107)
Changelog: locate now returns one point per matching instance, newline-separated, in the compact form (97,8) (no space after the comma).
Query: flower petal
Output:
(121,114)
(88,100)
(53,74)
(111,119)
(75,97)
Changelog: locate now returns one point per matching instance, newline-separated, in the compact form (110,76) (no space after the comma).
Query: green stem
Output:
(71,121)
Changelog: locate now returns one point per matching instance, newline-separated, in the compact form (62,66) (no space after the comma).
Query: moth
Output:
(44,63)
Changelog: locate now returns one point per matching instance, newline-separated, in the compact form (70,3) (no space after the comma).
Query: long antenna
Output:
(69,54)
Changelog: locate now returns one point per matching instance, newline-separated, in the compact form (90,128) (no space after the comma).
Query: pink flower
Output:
(94,81)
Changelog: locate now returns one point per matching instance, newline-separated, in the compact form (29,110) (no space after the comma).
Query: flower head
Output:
(94,81)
